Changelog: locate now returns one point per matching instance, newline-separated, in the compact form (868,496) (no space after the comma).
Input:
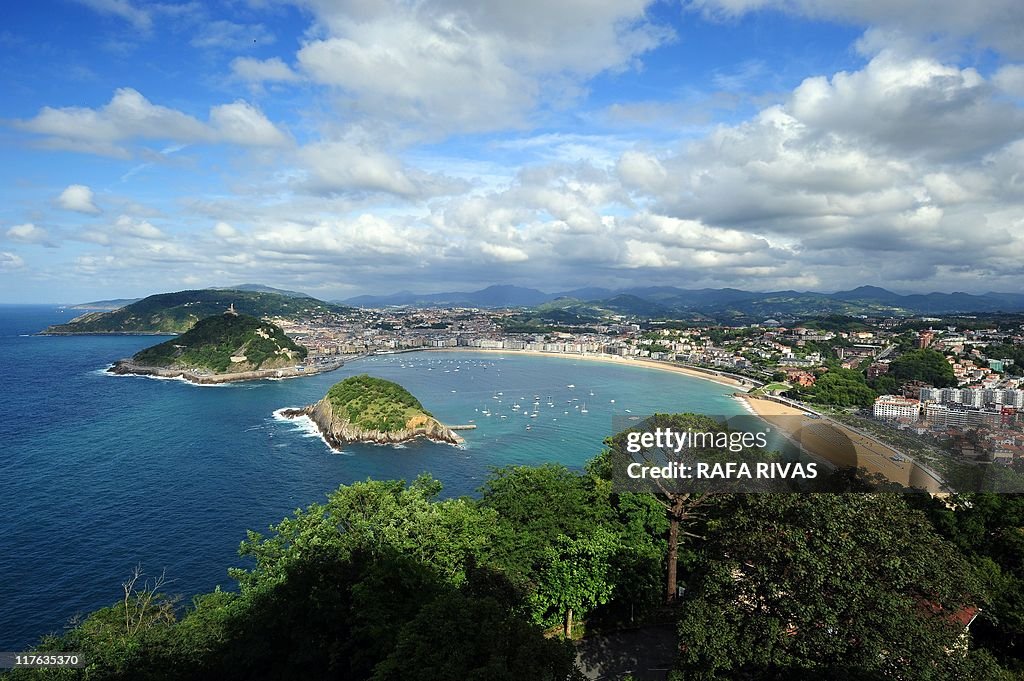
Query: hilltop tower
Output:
(231,312)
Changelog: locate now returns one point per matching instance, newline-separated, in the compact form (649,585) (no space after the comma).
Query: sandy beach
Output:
(842,445)
(621,361)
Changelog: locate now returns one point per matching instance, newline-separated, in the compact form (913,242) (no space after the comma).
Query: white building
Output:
(894,408)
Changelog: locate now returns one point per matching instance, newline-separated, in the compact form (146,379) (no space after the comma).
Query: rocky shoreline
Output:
(128,368)
(338,431)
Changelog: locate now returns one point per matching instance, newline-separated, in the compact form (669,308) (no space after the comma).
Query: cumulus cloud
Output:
(130,116)
(996,23)
(263,70)
(29,233)
(78,198)
(344,167)
(126,226)
(469,66)
(10,261)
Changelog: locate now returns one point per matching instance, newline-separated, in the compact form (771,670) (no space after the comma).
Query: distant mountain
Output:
(724,303)
(492,296)
(260,288)
(104,304)
(178,312)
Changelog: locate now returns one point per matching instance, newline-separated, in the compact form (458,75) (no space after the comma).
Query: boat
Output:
(584,409)
(570,386)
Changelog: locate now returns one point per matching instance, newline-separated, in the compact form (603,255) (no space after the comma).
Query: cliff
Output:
(365,409)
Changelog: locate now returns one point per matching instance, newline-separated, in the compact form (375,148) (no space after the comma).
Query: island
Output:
(372,410)
(224,348)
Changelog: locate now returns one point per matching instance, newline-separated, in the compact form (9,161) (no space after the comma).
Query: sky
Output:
(344,147)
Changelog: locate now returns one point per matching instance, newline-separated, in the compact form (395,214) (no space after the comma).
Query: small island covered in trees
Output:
(367,409)
(222,348)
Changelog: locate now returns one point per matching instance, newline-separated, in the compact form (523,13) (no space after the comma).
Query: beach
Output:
(708,375)
(841,445)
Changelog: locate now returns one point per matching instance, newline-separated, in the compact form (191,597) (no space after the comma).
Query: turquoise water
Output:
(99,473)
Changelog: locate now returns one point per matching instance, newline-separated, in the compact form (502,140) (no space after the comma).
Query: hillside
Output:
(171,313)
(225,343)
(367,409)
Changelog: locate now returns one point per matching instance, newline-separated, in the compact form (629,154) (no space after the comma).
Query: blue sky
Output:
(368,146)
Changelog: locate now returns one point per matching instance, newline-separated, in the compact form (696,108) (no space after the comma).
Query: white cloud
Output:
(224,230)
(130,116)
(343,167)
(139,229)
(470,66)
(243,124)
(504,253)
(122,9)
(993,23)
(10,261)
(257,70)
(78,198)
(29,233)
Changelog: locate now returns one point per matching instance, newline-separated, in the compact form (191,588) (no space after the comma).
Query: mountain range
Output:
(668,300)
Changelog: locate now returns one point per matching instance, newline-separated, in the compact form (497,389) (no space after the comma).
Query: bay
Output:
(99,473)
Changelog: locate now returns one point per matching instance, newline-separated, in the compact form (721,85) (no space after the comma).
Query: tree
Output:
(801,586)
(577,575)
(929,366)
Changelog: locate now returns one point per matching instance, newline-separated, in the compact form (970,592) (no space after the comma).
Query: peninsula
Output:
(367,409)
(224,348)
(175,313)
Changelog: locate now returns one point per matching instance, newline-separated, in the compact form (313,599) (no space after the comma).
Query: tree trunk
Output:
(673,556)
(568,623)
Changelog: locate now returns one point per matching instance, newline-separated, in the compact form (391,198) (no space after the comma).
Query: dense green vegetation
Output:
(212,342)
(178,312)
(374,404)
(386,581)
(1008,351)
(925,365)
(839,387)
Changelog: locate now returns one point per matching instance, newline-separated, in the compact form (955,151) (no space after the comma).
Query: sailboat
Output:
(584,409)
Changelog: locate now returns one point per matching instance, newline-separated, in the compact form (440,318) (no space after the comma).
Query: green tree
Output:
(577,575)
(925,365)
(847,585)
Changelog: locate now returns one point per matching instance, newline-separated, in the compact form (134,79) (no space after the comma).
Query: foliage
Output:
(841,387)
(212,342)
(989,528)
(925,365)
(374,403)
(1008,351)
(808,586)
(578,574)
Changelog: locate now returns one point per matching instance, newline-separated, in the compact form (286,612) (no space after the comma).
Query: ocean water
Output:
(99,473)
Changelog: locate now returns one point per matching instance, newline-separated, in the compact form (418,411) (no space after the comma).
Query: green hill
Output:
(375,404)
(178,312)
(220,343)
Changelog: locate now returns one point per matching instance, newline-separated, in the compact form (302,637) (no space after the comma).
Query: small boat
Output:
(584,409)
(570,386)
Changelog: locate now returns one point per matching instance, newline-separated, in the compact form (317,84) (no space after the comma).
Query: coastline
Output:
(720,379)
(861,451)
(127,368)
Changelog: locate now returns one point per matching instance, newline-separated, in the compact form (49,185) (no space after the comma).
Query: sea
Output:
(102,473)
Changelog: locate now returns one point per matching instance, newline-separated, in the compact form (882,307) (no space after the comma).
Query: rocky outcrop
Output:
(337,431)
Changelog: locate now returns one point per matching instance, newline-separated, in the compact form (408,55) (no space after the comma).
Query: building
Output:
(924,339)
(894,408)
